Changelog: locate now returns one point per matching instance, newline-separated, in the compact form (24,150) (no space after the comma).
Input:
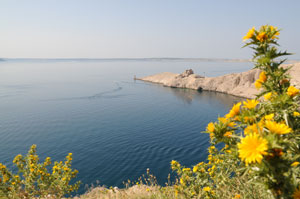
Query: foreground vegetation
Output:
(254,152)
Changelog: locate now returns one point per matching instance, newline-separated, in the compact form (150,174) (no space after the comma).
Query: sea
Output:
(115,126)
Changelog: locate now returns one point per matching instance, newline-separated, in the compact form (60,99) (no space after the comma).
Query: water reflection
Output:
(189,95)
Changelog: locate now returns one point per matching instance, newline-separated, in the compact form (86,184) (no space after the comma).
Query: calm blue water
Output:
(115,127)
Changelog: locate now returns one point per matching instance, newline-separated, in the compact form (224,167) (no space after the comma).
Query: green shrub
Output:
(35,179)
(261,136)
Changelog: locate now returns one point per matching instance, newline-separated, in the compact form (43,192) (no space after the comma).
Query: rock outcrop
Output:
(238,84)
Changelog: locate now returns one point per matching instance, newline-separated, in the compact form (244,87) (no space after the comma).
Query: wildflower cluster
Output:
(261,136)
(35,179)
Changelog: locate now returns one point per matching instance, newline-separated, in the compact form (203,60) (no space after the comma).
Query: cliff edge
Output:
(238,84)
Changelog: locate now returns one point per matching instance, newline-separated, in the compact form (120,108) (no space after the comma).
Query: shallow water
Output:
(115,127)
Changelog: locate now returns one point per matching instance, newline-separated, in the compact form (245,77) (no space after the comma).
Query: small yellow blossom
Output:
(292,91)
(195,168)
(250,104)
(278,128)
(173,162)
(210,127)
(237,196)
(186,169)
(176,193)
(257,84)
(276,32)
(226,121)
(262,36)
(294,164)
(262,76)
(206,189)
(296,114)
(252,148)
(182,181)
(213,167)
(234,111)
(269,117)
(228,134)
(250,34)
(268,96)
(254,128)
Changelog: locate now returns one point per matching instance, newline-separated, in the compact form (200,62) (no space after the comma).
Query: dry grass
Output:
(134,192)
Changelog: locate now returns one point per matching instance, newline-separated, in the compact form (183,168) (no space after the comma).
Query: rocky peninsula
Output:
(237,84)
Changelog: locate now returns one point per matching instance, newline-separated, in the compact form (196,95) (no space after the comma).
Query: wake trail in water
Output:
(99,95)
(105,94)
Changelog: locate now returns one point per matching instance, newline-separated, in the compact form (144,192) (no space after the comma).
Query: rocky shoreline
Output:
(237,84)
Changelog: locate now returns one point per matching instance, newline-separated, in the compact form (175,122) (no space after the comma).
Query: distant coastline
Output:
(237,84)
(154,59)
(130,59)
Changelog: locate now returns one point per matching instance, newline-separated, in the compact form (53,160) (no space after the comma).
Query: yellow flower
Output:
(186,169)
(195,168)
(270,116)
(254,128)
(249,119)
(273,28)
(268,96)
(182,181)
(250,104)
(210,127)
(257,84)
(226,121)
(296,114)
(276,32)
(176,192)
(296,194)
(237,196)
(250,34)
(262,76)
(295,164)
(278,128)
(262,36)
(228,134)
(292,91)
(5,178)
(173,162)
(234,111)
(206,189)
(252,148)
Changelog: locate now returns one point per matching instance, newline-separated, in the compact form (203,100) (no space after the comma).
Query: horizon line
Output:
(141,59)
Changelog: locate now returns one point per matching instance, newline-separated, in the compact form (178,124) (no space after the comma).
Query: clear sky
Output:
(141,28)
